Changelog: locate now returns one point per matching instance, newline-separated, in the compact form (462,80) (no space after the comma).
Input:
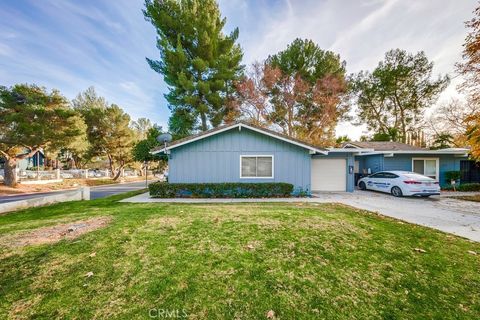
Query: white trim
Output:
(349,150)
(239,126)
(193,139)
(460,153)
(437,166)
(351,146)
(257,156)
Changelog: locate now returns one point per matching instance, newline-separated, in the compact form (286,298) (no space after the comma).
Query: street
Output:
(95,192)
(109,190)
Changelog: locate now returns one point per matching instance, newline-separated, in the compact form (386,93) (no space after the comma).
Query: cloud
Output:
(5,50)
(70,45)
(361,31)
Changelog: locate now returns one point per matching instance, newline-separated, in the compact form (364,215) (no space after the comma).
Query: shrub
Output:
(464,187)
(452,175)
(220,190)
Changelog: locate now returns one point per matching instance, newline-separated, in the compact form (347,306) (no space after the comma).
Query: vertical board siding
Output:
(403,162)
(372,162)
(217,159)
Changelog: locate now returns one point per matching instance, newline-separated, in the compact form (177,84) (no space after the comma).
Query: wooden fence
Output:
(470,171)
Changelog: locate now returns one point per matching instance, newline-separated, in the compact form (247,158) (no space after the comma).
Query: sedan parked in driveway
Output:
(400,183)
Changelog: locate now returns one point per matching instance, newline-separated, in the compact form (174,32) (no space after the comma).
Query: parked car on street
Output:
(400,183)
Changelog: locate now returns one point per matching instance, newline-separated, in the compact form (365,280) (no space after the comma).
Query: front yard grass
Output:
(238,261)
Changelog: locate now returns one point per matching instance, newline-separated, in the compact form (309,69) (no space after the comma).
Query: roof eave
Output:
(452,152)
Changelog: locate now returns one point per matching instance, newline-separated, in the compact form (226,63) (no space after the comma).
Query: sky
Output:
(71,45)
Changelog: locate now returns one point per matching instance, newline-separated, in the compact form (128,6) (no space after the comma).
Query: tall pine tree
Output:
(198,61)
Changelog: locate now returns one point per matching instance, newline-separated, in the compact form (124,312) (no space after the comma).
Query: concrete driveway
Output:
(440,212)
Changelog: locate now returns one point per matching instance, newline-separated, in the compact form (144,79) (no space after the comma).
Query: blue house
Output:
(242,152)
(37,159)
(387,156)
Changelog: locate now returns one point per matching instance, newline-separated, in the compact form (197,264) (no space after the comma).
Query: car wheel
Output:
(396,192)
(362,185)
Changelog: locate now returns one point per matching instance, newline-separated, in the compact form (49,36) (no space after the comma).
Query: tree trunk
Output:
(10,176)
(203,116)
(119,172)
(112,168)
(404,130)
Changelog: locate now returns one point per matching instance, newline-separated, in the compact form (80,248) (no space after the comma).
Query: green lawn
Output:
(235,261)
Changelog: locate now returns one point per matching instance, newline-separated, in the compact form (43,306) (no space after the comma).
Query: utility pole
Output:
(146,173)
(38,164)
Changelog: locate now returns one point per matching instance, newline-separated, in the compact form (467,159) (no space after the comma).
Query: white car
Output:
(400,183)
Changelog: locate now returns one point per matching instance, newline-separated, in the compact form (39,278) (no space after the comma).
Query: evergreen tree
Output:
(108,130)
(298,91)
(394,96)
(306,59)
(198,61)
(32,119)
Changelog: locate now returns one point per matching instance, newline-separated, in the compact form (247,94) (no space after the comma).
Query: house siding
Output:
(31,162)
(217,159)
(403,162)
(373,162)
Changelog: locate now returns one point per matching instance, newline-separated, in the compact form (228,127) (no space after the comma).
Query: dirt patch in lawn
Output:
(52,234)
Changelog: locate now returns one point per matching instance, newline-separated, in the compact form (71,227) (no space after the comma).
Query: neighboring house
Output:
(27,163)
(38,159)
(242,152)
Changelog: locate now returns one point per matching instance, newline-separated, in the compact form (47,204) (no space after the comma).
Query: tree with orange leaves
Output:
(470,69)
(298,91)
(473,135)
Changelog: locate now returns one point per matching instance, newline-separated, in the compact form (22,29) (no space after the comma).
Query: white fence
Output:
(27,175)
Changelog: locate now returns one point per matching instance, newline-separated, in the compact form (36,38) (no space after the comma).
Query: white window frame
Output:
(437,167)
(257,156)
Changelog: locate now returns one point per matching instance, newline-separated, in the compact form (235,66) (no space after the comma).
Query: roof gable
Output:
(240,125)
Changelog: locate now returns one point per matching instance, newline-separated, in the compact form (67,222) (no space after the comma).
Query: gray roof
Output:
(383,146)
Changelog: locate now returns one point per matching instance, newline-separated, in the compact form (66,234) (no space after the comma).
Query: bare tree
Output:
(451,118)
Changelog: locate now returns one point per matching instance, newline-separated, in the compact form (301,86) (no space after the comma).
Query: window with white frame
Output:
(426,166)
(253,166)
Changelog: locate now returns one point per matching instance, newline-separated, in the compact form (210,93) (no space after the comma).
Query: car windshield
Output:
(415,176)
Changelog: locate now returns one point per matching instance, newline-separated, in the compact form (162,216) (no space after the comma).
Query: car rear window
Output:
(417,176)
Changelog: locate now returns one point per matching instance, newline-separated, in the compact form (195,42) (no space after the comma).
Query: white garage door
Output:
(329,174)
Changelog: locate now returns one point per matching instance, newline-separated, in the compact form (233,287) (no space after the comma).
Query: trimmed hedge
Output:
(464,187)
(220,190)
